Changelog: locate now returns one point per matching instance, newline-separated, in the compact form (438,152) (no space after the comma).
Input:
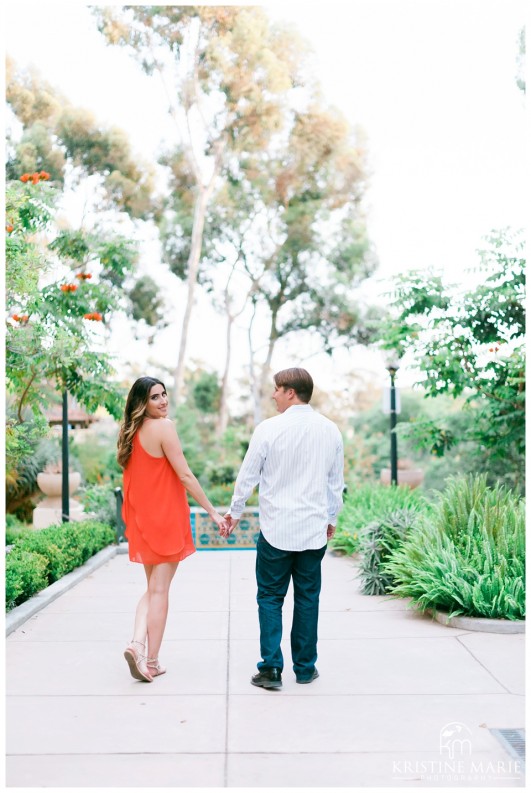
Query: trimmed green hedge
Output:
(40,557)
(15,528)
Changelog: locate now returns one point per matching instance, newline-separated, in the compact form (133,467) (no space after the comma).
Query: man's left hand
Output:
(230,525)
(330,531)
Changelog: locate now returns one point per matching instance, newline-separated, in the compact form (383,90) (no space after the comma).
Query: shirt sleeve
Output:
(249,473)
(336,484)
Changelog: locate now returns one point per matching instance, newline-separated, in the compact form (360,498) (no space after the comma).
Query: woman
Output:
(156,513)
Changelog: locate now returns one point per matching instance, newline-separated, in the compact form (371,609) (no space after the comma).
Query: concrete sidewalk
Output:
(401,700)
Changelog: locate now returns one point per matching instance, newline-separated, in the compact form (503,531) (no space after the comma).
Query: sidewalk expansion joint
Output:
(483,666)
(227,682)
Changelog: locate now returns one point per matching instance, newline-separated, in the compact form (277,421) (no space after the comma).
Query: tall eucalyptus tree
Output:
(226,71)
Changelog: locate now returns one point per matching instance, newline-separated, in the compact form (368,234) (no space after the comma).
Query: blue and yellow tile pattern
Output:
(206,533)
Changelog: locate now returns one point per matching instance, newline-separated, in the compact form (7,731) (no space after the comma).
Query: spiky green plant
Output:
(378,540)
(470,558)
(366,503)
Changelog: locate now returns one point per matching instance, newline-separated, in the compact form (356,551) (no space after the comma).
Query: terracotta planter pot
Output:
(412,477)
(49,511)
(52,484)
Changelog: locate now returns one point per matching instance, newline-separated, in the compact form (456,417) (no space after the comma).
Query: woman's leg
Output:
(140,629)
(135,653)
(159,581)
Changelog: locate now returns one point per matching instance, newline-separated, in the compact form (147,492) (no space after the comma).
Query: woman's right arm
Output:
(171,446)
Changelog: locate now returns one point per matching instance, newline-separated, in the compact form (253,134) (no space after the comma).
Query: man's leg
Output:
(306,588)
(273,572)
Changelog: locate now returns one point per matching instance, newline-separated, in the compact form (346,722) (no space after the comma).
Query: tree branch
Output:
(24,395)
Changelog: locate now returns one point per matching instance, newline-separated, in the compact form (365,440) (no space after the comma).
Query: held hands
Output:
(229,525)
(226,524)
(221,523)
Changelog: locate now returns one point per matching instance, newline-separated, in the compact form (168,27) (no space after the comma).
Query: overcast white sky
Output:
(432,82)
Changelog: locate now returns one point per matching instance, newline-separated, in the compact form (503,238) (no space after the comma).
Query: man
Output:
(296,458)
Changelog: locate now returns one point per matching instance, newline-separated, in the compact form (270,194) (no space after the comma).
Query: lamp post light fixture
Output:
(66,484)
(392,367)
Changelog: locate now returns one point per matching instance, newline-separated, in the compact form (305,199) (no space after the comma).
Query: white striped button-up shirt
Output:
(296,458)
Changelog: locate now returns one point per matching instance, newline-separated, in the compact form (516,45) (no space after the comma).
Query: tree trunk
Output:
(265,374)
(203,197)
(193,266)
(257,405)
(223,416)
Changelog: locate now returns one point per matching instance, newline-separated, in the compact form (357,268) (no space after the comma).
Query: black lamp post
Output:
(392,368)
(65,484)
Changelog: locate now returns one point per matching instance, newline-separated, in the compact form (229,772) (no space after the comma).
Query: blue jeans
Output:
(274,569)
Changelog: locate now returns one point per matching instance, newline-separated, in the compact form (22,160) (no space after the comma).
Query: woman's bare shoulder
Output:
(158,427)
(166,428)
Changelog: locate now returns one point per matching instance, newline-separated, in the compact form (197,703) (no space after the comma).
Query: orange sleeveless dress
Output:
(155,510)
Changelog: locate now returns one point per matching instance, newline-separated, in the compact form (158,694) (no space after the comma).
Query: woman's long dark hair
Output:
(134,414)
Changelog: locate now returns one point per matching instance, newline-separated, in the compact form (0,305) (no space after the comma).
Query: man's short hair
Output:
(298,379)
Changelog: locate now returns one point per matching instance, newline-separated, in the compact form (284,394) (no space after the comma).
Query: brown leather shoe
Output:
(268,678)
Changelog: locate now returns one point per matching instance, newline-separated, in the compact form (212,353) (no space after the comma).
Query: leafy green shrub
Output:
(14,527)
(100,501)
(220,495)
(377,541)
(65,547)
(42,542)
(224,474)
(366,503)
(206,392)
(39,558)
(12,522)
(26,574)
(96,458)
(188,424)
(470,557)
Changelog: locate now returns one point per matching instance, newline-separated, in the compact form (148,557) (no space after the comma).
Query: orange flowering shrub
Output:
(83,276)
(36,177)
(47,338)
